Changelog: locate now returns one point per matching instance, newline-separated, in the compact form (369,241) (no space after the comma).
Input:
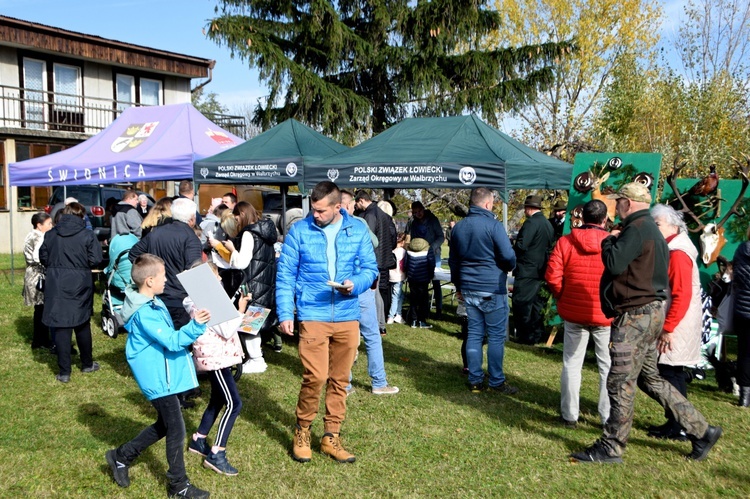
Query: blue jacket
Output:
(157,353)
(420,266)
(302,271)
(480,253)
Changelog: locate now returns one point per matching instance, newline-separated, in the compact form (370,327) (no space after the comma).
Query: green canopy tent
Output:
(278,156)
(456,152)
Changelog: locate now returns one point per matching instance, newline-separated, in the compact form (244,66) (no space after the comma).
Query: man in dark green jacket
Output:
(533,246)
(633,291)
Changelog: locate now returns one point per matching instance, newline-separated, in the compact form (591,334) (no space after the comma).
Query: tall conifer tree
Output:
(354,67)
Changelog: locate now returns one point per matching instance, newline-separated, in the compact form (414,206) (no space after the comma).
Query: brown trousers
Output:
(327,351)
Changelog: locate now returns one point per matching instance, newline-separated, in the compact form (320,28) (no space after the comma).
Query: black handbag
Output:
(40,283)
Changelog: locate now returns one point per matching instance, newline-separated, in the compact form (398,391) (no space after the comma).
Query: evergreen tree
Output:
(354,67)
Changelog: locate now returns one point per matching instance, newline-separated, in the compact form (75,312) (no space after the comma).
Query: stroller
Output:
(112,300)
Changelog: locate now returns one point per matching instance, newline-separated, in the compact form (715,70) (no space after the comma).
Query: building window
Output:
(35,86)
(67,112)
(125,91)
(67,84)
(136,90)
(34,198)
(150,92)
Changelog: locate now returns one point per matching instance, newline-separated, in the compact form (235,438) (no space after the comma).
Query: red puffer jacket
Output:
(573,274)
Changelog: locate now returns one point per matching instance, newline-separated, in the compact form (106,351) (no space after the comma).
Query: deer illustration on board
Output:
(712,238)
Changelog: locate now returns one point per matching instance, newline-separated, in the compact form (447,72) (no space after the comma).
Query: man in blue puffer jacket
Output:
(327,247)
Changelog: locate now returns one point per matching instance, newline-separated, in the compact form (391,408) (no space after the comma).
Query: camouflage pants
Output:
(634,358)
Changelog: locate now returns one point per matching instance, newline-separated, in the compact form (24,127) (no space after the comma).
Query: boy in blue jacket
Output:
(162,367)
(420,271)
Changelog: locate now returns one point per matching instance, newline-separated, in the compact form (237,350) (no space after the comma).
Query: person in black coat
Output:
(179,247)
(69,252)
(533,246)
(741,290)
(381,224)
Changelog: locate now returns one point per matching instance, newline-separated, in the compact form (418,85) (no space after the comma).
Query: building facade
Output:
(59,87)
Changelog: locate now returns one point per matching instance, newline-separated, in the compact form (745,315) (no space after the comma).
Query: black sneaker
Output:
(92,368)
(188,490)
(63,378)
(424,325)
(701,446)
(278,348)
(218,462)
(119,470)
(505,389)
(476,387)
(199,446)
(415,324)
(597,453)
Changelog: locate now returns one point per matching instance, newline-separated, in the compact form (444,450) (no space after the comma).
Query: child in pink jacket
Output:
(215,353)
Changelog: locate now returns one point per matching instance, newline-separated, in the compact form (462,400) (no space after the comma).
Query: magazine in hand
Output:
(253,319)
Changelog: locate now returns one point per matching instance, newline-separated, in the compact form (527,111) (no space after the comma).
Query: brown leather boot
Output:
(301,449)
(331,445)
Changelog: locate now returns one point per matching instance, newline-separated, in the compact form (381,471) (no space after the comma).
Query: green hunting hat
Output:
(633,191)
(533,202)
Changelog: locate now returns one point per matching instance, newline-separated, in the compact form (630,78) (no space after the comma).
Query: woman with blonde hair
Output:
(160,214)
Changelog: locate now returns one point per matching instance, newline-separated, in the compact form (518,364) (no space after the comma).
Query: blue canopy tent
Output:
(144,143)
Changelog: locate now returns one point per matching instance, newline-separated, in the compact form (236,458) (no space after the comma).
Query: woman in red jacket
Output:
(573,274)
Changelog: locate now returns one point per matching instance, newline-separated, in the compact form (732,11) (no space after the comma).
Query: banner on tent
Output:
(284,171)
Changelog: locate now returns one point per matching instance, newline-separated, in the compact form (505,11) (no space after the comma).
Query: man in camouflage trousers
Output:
(633,291)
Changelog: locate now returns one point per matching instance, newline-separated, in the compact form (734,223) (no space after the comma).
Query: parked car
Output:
(272,208)
(96,199)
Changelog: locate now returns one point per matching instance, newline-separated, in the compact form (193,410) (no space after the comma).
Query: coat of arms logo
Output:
(133,136)
(204,172)
(333,174)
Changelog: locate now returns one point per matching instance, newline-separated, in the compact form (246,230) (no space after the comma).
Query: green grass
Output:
(434,439)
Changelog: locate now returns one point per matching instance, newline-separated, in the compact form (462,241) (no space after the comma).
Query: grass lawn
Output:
(434,439)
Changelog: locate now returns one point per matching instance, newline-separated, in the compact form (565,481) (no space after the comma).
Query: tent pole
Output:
(12,257)
(284,189)
(505,210)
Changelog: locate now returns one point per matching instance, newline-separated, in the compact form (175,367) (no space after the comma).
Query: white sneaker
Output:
(254,366)
(385,390)
(398,319)
(389,321)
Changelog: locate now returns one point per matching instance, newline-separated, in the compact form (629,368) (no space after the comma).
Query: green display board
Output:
(735,228)
(620,169)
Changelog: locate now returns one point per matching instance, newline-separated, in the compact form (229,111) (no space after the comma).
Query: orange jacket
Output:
(573,274)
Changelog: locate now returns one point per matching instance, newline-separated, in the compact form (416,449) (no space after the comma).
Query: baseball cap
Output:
(634,191)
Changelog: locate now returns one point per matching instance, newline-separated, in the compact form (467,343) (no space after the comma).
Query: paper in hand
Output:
(207,292)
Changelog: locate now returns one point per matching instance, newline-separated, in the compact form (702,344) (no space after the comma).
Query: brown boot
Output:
(331,445)
(301,450)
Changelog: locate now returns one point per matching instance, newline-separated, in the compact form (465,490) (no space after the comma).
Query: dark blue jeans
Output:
(62,336)
(223,393)
(170,424)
